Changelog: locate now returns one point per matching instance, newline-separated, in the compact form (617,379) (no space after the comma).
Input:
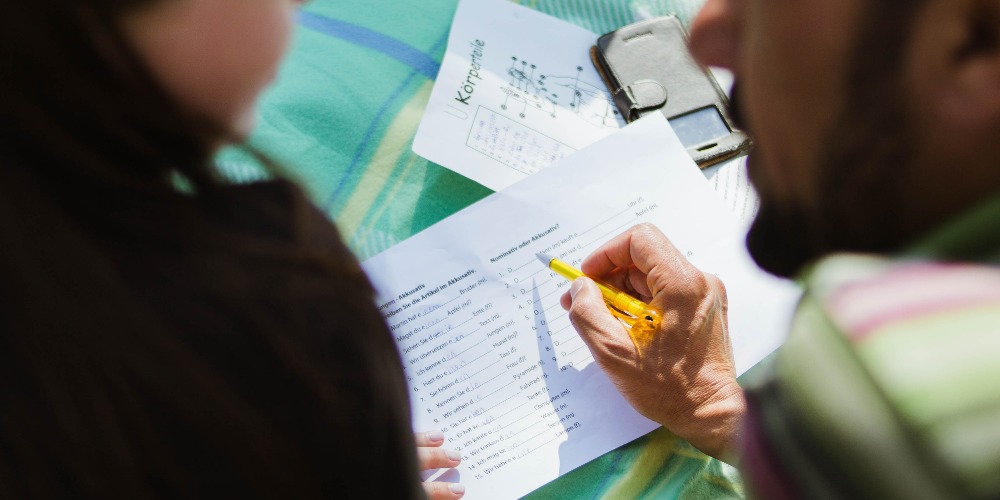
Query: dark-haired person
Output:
(164,333)
(877,160)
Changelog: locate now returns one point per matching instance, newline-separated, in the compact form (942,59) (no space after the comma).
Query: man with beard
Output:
(877,138)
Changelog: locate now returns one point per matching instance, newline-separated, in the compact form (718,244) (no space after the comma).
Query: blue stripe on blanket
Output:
(372,127)
(406,54)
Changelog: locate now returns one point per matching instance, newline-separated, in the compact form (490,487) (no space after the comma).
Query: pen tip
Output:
(544,258)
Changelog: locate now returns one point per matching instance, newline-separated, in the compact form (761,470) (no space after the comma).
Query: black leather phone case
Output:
(647,68)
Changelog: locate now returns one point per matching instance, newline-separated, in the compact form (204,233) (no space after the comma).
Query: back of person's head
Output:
(159,341)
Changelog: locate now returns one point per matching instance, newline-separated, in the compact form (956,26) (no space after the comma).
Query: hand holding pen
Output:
(641,319)
(682,374)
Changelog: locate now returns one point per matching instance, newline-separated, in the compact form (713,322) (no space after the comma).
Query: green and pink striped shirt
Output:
(889,383)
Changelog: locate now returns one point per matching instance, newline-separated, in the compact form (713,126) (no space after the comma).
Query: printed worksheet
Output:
(491,357)
(731,183)
(516,92)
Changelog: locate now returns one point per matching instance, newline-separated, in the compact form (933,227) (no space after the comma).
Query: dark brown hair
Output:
(212,341)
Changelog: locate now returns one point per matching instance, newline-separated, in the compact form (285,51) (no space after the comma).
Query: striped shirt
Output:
(889,384)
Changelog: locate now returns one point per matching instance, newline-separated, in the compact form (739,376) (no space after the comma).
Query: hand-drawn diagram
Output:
(523,102)
(514,144)
(549,94)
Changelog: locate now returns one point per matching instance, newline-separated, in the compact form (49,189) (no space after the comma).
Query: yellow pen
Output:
(639,316)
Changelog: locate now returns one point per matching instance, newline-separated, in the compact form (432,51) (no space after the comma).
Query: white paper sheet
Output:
(490,355)
(516,92)
(730,181)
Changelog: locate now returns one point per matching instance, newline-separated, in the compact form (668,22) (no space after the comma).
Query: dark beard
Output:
(777,240)
(774,240)
(867,153)
(856,204)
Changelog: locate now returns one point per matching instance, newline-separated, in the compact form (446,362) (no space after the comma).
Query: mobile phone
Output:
(648,68)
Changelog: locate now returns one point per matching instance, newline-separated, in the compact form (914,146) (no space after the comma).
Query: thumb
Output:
(588,313)
(584,291)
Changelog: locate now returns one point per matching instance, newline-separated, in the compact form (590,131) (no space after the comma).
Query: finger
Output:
(600,330)
(637,261)
(430,439)
(443,491)
(641,246)
(566,301)
(632,281)
(437,458)
(666,272)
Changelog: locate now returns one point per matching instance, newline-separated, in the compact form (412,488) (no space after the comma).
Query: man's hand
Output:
(431,456)
(685,378)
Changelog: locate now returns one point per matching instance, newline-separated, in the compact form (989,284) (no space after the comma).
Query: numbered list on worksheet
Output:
(496,364)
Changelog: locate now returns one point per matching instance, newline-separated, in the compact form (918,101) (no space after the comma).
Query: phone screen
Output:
(700,126)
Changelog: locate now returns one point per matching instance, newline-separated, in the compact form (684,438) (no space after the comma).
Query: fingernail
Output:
(576,287)
(458,489)
(453,455)
(435,436)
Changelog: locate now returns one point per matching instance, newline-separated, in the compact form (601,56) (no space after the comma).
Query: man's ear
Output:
(970,87)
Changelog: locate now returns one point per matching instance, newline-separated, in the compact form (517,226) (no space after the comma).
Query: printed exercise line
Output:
(614,232)
(490,395)
(471,346)
(532,438)
(603,222)
(533,274)
(512,410)
(485,368)
(524,429)
(541,445)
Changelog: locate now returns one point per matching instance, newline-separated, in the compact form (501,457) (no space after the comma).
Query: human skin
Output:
(216,57)
(792,61)
(684,377)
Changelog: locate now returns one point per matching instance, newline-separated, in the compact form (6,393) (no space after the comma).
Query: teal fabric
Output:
(341,119)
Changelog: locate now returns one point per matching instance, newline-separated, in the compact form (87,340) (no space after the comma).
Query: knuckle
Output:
(694,282)
(421,438)
(691,286)
(717,285)
(439,457)
(650,230)
(644,227)
(645,231)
